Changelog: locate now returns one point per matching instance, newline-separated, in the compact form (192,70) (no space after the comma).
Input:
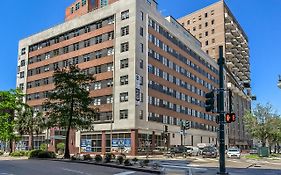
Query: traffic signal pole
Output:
(222,169)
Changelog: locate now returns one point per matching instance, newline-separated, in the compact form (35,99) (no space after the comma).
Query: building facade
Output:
(151,75)
(213,26)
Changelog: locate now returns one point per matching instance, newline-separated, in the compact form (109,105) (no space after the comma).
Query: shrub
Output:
(19,153)
(61,146)
(34,153)
(26,153)
(1,153)
(127,162)
(43,147)
(108,157)
(146,161)
(98,158)
(120,159)
(135,160)
(87,157)
(46,154)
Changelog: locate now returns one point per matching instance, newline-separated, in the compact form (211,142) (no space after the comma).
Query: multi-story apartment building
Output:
(150,72)
(213,26)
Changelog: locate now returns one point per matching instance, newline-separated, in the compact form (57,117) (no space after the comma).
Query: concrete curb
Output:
(105,165)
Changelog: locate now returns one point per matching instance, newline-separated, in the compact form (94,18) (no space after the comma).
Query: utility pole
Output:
(222,170)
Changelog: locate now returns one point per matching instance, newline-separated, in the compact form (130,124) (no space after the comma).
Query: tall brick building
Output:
(216,25)
(150,72)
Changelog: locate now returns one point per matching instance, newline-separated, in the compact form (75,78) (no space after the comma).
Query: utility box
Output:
(263,152)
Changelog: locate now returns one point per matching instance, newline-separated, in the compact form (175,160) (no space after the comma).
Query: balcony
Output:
(229,54)
(228,45)
(235,42)
(239,48)
(235,60)
(240,39)
(229,64)
(244,53)
(240,65)
(235,69)
(234,50)
(235,32)
(244,44)
(239,56)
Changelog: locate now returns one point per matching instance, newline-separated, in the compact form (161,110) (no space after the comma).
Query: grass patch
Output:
(253,156)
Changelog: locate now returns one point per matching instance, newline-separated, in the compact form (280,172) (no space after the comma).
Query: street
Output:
(42,167)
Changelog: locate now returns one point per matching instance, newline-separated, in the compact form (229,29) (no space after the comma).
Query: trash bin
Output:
(263,152)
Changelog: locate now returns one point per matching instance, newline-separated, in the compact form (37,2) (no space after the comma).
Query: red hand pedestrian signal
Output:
(230,117)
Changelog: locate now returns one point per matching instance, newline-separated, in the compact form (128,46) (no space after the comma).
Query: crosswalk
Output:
(126,173)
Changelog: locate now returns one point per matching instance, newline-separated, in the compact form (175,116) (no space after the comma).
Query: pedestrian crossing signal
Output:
(230,117)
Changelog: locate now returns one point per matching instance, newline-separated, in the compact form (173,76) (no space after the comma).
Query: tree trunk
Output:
(278,147)
(11,145)
(66,150)
(31,145)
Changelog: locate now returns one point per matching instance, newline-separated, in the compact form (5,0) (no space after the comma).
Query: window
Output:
(97,85)
(125,15)
(86,57)
(124,80)
(46,68)
(84,2)
(56,52)
(188,22)
(76,33)
(141,47)
(97,101)
(38,70)
(46,81)
(87,29)
(37,83)
(206,33)
(206,15)
(206,24)
(125,31)
(200,26)
(141,63)
(76,46)
(212,12)
(110,51)
(141,31)
(98,54)
(142,15)
(77,6)
(207,43)
(200,35)
(21,86)
(141,114)
(103,3)
(124,63)
(56,40)
(72,10)
(200,17)
(124,97)
(29,85)
(110,83)
(55,66)
(110,67)
(124,114)
(22,63)
(213,40)
(194,28)
(213,31)
(213,22)
(87,43)
(125,47)
(65,49)
(110,35)
(23,51)
(98,39)
(109,99)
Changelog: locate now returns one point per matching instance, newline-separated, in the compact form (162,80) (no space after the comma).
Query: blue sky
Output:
(260,20)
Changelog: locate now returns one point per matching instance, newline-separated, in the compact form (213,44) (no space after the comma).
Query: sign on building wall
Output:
(121,145)
(138,89)
(86,145)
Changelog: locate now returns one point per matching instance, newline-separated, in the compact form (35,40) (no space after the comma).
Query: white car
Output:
(192,150)
(233,153)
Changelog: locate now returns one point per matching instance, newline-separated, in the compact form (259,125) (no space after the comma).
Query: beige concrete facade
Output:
(182,74)
(215,25)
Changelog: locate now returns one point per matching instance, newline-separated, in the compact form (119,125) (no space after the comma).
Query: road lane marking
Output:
(75,171)
(126,173)
(6,174)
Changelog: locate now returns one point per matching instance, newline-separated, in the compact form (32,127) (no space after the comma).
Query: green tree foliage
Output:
(10,104)
(69,104)
(263,124)
(29,122)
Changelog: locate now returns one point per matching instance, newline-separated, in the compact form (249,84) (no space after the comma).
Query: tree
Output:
(69,104)
(260,123)
(29,122)
(10,104)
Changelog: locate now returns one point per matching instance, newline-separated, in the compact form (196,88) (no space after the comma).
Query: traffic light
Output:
(230,117)
(187,125)
(209,103)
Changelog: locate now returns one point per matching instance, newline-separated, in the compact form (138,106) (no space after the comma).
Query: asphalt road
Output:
(42,167)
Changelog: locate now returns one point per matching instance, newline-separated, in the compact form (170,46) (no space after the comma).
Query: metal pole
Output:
(222,169)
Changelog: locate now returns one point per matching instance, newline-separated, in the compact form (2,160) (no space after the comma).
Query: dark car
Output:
(210,152)
(177,151)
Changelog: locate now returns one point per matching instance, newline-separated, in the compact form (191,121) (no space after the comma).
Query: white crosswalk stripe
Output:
(126,173)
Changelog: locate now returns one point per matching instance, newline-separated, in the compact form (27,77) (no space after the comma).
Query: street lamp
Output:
(279,82)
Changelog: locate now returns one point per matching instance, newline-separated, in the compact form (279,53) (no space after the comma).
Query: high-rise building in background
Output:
(151,75)
(213,26)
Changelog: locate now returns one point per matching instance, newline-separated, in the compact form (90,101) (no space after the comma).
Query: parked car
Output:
(176,151)
(210,152)
(253,151)
(192,151)
(233,153)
